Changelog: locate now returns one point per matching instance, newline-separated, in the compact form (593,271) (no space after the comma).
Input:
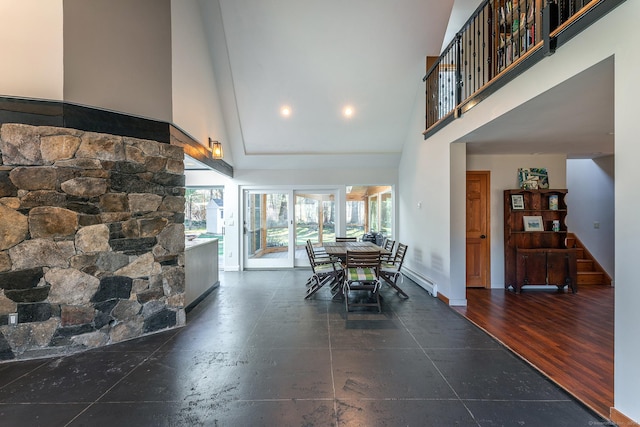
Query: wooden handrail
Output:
(502,60)
(573,18)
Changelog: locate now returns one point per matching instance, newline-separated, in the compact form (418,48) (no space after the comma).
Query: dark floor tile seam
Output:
(462,348)
(122,378)
(483,400)
(354,318)
(398,399)
(151,349)
(274,319)
(286,348)
(286,399)
(374,349)
(145,402)
(105,350)
(44,362)
(35,404)
(258,321)
(333,380)
(435,366)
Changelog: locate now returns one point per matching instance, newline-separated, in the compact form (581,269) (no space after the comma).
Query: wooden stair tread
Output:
(584,265)
(590,278)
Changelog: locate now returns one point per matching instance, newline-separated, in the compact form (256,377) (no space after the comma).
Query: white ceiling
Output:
(317,57)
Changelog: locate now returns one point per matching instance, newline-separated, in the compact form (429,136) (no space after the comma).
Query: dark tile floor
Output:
(255,353)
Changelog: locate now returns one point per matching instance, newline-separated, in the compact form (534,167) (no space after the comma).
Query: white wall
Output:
(32,55)
(503,177)
(424,203)
(117,55)
(591,199)
(222,71)
(196,105)
(424,174)
(458,235)
(615,32)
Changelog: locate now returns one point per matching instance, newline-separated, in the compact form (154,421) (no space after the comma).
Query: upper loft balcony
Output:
(501,40)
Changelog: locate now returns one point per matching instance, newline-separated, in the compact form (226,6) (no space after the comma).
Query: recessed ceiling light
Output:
(285,111)
(348,111)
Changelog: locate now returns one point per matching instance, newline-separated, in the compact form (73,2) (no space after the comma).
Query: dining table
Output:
(339,249)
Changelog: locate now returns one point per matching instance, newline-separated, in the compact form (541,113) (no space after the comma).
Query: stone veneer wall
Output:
(91,239)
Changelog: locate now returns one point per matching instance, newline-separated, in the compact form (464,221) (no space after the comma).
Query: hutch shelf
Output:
(535,240)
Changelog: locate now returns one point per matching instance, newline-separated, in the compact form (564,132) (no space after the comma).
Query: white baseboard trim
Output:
(424,282)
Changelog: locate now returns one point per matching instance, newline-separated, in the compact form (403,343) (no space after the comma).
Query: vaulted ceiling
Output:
(319,57)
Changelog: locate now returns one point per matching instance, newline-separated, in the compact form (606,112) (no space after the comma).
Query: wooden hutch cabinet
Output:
(535,235)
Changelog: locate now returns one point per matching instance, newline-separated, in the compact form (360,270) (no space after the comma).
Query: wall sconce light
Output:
(216,149)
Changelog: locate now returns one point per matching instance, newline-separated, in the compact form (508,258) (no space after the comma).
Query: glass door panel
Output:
(386,214)
(374,215)
(314,220)
(355,211)
(267,229)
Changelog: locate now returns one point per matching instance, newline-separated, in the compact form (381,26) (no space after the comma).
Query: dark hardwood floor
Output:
(569,337)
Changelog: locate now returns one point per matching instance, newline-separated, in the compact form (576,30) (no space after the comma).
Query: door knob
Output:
(482,236)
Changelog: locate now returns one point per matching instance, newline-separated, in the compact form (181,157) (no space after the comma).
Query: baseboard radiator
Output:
(424,282)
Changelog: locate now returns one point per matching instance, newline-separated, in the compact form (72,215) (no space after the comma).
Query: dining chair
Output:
(317,252)
(346,239)
(390,269)
(325,269)
(362,273)
(387,245)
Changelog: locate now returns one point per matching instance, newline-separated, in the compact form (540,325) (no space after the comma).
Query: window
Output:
(369,209)
(381,213)
(204,214)
(374,214)
(386,214)
(355,218)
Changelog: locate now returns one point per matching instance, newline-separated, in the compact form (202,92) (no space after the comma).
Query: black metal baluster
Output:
(458,71)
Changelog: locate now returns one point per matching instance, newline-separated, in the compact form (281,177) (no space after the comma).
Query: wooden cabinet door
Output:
(561,268)
(531,268)
(557,268)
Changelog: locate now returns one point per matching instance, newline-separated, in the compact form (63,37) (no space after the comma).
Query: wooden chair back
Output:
(362,273)
(389,244)
(400,253)
(364,260)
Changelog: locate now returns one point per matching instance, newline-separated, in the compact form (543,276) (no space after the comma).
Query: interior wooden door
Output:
(478,226)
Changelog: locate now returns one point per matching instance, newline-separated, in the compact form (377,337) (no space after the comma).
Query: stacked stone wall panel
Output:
(91,239)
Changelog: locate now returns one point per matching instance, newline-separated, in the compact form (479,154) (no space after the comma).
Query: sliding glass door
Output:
(277,222)
(315,220)
(268,229)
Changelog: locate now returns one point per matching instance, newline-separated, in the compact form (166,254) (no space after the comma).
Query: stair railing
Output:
(501,40)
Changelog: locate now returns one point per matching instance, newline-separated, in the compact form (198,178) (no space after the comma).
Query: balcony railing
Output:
(502,39)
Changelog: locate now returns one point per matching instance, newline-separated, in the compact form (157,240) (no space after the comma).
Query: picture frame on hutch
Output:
(517,201)
(533,223)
